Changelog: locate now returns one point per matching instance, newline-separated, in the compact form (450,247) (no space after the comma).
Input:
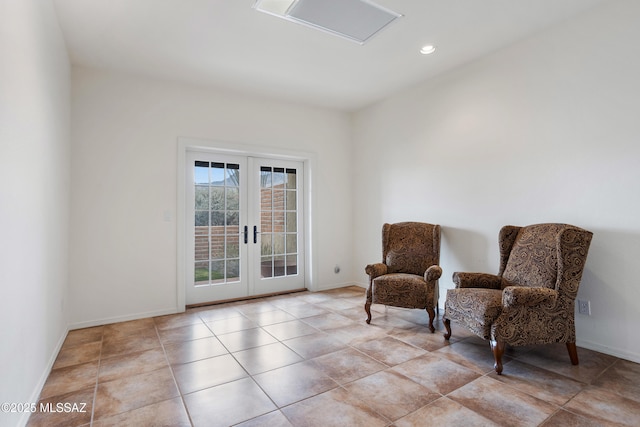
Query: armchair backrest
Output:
(410,247)
(541,255)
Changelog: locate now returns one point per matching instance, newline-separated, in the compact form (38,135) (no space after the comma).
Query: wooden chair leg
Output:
(367,308)
(447,325)
(498,350)
(573,352)
(432,315)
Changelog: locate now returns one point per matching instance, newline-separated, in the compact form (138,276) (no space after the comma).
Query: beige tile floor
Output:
(309,359)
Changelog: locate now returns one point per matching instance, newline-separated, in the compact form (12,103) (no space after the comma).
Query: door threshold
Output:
(247,298)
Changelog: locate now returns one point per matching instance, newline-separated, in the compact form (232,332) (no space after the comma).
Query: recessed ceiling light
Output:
(428,49)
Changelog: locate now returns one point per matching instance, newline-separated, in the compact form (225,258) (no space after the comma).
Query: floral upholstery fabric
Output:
(408,274)
(540,270)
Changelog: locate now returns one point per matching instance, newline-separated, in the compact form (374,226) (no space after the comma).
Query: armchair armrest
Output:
(375,270)
(433,273)
(477,280)
(524,296)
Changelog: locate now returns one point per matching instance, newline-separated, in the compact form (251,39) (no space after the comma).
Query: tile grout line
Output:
(175,382)
(258,326)
(304,360)
(95,388)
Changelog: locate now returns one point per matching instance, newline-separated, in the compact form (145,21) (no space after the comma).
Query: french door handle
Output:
(246,232)
(255,234)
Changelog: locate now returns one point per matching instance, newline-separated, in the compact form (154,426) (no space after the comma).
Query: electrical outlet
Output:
(584,307)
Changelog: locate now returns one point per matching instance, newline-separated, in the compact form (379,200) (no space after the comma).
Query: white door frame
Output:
(309,162)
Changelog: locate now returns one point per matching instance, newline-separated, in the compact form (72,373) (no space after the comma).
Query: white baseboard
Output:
(43,377)
(336,286)
(116,319)
(611,351)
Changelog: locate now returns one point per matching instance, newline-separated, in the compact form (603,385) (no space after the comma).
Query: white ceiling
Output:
(228,44)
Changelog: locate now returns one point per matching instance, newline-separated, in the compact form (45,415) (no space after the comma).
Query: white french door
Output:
(244,226)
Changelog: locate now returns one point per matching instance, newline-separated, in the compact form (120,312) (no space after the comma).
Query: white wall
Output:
(34,198)
(125,134)
(544,131)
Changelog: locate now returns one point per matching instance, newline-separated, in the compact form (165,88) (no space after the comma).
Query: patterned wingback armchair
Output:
(531,299)
(409,272)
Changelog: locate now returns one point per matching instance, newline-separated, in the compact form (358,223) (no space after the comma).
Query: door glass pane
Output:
(292,243)
(201,218)
(233,199)
(217,219)
(266,266)
(217,272)
(278,221)
(266,219)
(233,218)
(201,173)
(278,207)
(278,266)
(233,270)
(217,198)
(201,273)
(201,244)
(265,177)
(233,245)
(278,243)
(292,222)
(266,246)
(217,174)
(278,177)
(233,175)
(291,200)
(202,197)
(217,246)
(292,265)
(291,179)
